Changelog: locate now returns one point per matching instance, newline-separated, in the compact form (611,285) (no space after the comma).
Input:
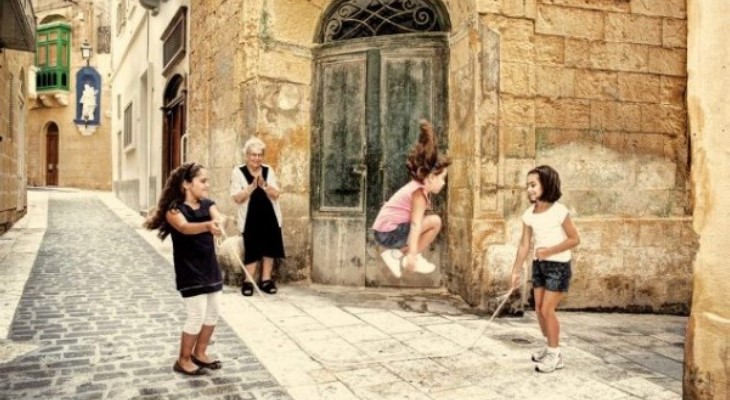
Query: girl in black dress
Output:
(256,191)
(186,214)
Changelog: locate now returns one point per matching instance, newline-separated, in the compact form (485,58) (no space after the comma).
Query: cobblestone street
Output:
(101,307)
(95,316)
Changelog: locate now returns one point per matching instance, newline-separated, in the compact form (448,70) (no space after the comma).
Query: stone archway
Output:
(381,67)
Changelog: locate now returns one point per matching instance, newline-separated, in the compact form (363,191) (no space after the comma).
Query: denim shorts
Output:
(395,239)
(551,275)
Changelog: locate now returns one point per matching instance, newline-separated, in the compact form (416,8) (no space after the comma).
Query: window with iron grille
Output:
(351,19)
(103,40)
(173,48)
(128,134)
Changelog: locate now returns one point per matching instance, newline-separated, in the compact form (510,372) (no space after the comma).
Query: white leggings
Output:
(201,310)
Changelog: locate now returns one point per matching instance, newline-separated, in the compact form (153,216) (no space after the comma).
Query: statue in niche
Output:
(88,102)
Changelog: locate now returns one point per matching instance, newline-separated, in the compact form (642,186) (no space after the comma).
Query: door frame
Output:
(173,125)
(433,43)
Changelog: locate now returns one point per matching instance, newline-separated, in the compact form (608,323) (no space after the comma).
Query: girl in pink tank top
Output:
(402,226)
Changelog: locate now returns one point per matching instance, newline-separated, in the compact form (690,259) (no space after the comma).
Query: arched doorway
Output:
(380,68)
(52,154)
(173,125)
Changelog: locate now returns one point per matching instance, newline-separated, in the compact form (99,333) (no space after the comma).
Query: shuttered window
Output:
(173,48)
(128,125)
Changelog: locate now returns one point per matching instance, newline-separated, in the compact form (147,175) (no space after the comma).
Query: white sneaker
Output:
(392,258)
(539,355)
(550,363)
(422,266)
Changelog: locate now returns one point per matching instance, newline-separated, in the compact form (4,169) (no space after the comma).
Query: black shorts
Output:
(395,239)
(551,275)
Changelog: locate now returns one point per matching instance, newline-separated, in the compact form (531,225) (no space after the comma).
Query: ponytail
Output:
(424,158)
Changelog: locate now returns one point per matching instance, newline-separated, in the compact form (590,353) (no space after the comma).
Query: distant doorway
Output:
(173,125)
(52,155)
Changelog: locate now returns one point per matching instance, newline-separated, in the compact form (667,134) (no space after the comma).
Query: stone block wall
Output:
(13,65)
(264,92)
(595,89)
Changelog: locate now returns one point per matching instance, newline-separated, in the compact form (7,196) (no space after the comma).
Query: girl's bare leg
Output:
(430,228)
(201,345)
(539,295)
(547,310)
(187,342)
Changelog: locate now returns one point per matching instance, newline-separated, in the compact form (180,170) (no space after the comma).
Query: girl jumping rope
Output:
(549,225)
(185,213)
(401,225)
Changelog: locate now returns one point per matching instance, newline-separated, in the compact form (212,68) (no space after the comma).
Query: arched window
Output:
(350,19)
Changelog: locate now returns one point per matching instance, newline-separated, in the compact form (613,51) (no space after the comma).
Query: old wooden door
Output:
(369,96)
(173,126)
(52,155)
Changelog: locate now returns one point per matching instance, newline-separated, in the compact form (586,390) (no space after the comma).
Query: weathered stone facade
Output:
(83,161)
(594,88)
(13,74)
(707,348)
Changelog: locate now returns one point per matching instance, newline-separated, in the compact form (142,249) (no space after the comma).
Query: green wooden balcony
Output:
(52,78)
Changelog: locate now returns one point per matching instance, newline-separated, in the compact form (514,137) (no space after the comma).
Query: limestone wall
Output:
(595,89)
(707,354)
(13,67)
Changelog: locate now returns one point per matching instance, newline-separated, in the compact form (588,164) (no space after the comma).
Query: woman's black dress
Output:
(262,233)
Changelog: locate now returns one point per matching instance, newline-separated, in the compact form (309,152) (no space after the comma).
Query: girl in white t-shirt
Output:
(548,228)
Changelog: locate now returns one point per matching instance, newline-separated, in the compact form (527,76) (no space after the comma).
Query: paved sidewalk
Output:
(316,342)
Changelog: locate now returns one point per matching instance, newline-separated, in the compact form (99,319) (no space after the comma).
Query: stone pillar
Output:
(707,348)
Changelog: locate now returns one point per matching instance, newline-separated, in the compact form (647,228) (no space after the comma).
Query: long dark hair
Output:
(424,158)
(172,196)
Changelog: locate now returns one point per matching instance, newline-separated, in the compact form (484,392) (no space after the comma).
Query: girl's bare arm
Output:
(181,224)
(418,210)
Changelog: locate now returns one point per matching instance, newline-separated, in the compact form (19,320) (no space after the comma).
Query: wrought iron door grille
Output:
(365,18)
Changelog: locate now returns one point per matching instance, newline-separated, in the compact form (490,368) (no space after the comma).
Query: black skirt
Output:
(262,233)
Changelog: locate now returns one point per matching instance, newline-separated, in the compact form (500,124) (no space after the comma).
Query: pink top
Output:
(397,210)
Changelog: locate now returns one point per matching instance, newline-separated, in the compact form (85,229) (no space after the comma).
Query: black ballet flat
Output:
(178,368)
(202,364)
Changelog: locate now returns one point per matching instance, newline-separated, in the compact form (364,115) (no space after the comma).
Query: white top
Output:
(238,183)
(547,229)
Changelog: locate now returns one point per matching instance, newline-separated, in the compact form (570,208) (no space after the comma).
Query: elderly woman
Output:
(255,189)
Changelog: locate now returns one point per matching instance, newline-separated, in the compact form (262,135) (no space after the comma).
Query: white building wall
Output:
(137,53)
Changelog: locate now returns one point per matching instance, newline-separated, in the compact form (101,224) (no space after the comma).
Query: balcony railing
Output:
(51,78)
